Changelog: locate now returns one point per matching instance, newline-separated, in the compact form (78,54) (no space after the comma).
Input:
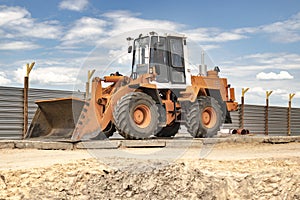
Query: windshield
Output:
(141,56)
(159,53)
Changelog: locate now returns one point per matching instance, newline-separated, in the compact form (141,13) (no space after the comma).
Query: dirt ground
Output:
(222,171)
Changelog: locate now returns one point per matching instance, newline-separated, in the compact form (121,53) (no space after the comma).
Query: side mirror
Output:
(129,49)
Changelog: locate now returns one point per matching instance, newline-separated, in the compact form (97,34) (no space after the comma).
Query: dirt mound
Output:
(186,179)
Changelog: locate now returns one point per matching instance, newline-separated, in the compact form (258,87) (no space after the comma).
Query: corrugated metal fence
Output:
(11,108)
(254,120)
(11,113)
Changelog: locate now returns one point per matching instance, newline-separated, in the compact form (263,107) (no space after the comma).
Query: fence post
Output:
(289,114)
(242,111)
(268,93)
(25,95)
(87,85)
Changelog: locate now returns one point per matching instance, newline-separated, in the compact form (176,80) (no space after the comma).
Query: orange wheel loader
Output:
(158,96)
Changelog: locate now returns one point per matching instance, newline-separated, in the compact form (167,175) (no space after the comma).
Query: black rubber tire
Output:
(169,131)
(124,119)
(193,118)
(194,121)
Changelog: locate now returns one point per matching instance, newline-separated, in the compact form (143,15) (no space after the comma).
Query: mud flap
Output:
(55,118)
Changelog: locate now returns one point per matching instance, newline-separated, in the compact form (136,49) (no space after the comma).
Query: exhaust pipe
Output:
(202,66)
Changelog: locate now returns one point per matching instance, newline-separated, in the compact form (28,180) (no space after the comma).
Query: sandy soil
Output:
(223,171)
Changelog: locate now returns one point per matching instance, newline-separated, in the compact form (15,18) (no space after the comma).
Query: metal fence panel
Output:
(11,113)
(295,121)
(255,116)
(278,120)
(235,118)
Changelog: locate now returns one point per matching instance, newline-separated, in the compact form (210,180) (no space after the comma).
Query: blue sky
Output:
(255,43)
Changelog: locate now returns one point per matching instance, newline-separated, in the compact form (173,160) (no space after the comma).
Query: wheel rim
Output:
(142,116)
(209,117)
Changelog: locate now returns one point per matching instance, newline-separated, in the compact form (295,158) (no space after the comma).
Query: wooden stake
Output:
(289,114)
(244,90)
(268,93)
(25,95)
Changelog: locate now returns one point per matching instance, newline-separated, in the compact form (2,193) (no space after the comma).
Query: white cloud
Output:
(245,30)
(87,30)
(93,31)
(18,45)
(210,46)
(281,92)
(75,5)
(272,71)
(9,14)
(32,29)
(262,91)
(285,31)
(257,95)
(248,66)
(96,31)
(3,79)
(283,75)
(16,22)
(120,22)
(55,75)
(121,56)
(258,90)
(213,35)
(124,21)
(277,60)
(59,72)
(48,75)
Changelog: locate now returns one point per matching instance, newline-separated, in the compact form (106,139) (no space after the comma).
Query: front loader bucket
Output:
(55,118)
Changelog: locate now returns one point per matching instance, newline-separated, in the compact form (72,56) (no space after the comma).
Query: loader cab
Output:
(162,55)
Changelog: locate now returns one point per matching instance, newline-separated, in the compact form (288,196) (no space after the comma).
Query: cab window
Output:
(159,58)
(176,52)
(141,56)
(177,60)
